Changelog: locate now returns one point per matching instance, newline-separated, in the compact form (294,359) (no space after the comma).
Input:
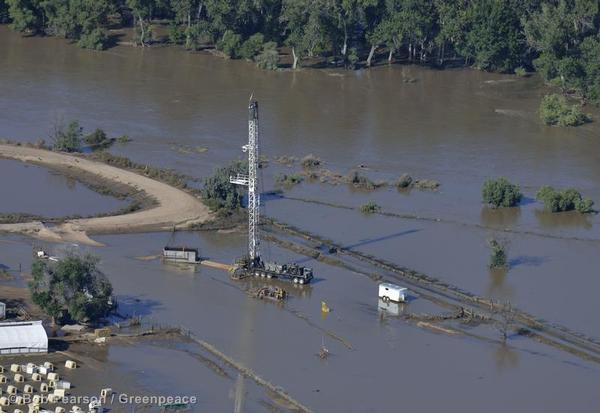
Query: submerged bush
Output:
(123,139)
(370,208)
(554,110)
(498,256)
(404,181)
(95,40)
(98,139)
(310,161)
(521,71)
(361,181)
(289,180)
(352,59)
(564,200)
(500,193)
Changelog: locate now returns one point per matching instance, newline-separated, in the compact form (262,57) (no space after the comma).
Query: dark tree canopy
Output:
(558,38)
(71,289)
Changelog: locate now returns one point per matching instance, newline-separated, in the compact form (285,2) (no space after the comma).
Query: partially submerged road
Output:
(173,207)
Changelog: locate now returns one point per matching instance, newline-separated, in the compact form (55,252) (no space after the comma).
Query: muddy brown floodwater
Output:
(49,194)
(455,126)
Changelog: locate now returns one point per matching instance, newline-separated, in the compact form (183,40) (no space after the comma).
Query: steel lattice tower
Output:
(251,180)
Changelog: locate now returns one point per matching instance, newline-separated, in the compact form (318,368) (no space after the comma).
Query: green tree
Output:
(95,40)
(26,15)
(559,32)
(4,15)
(230,44)
(452,18)
(590,63)
(500,193)
(372,16)
(71,289)
(185,12)
(219,193)
(268,57)
(67,139)
(142,12)
(200,31)
(252,46)
(495,40)
(82,20)
(305,24)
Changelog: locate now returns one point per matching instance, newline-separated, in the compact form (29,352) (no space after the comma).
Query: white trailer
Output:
(392,292)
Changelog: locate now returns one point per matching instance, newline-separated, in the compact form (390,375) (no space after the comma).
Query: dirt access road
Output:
(174,208)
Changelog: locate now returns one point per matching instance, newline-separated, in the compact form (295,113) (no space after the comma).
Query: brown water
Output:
(34,190)
(458,127)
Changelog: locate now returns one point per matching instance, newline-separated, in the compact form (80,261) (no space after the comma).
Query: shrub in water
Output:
(500,193)
(370,208)
(564,200)
(498,257)
(554,110)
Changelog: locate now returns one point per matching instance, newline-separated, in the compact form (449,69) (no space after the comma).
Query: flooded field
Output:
(455,126)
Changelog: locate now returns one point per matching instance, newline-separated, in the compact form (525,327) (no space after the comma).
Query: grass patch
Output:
(168,176)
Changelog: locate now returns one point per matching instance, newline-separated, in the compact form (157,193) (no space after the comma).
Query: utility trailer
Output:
(295,273)
(392,292)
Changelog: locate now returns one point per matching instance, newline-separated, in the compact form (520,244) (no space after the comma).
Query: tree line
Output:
(558,38)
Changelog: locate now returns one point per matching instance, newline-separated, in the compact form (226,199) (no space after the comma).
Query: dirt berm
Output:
(173,207)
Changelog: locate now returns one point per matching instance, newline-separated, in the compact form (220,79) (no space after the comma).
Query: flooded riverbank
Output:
(376,355)
(456,126)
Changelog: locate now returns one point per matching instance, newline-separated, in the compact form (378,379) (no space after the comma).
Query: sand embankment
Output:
(173,207)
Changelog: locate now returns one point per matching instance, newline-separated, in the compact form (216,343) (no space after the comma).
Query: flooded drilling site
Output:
(332,345)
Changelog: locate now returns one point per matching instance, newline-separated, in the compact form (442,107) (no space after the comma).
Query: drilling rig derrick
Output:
(252,264)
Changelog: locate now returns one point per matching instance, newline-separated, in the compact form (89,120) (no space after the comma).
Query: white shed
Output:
(183,254)
(23,337)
